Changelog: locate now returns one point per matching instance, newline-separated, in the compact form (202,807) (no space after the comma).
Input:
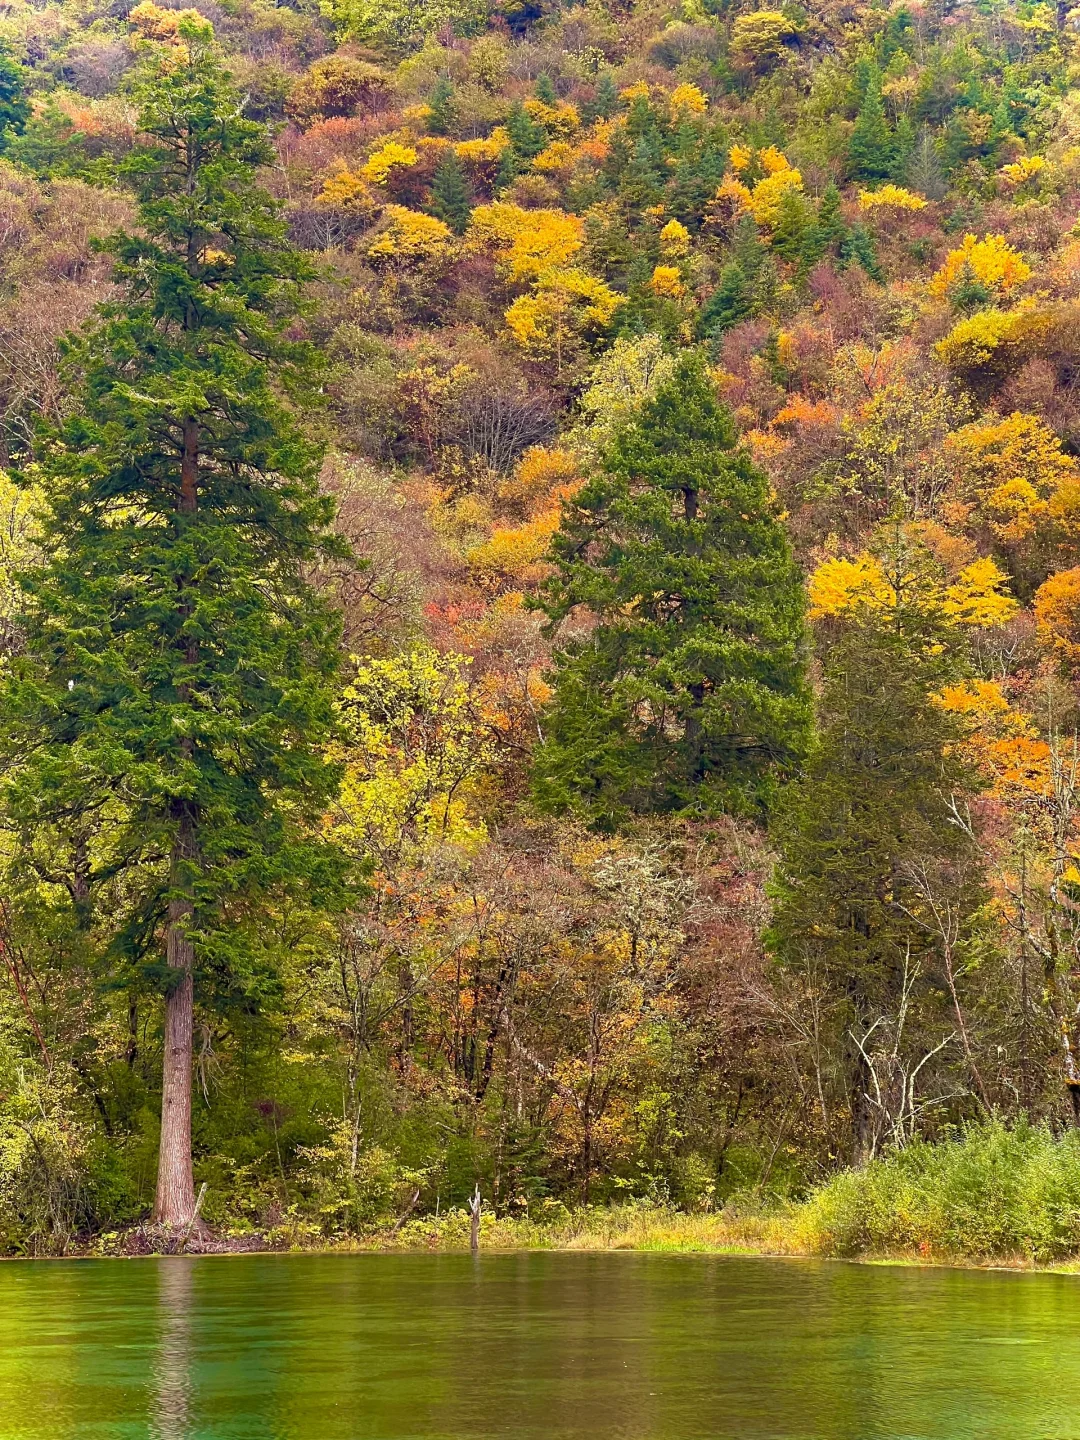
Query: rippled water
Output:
(558,1346)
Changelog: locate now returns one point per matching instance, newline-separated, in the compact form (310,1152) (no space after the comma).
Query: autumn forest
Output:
(539,620)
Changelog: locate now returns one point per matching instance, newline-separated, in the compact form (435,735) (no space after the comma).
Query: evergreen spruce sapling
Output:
(527,137)
(443,111)
(604,102)
(450,194)
(689,693)
(176,681)
(871,150)
(730,302)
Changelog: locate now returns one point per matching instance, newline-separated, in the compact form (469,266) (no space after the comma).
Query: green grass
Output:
(993,1195)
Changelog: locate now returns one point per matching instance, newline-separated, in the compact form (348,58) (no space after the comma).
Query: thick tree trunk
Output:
(175,1203)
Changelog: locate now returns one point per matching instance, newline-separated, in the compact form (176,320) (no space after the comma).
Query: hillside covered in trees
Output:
(539,601)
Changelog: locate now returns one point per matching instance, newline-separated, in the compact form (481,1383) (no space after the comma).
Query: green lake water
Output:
(534,1347)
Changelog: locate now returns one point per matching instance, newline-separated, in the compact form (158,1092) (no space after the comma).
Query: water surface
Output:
(534,1347)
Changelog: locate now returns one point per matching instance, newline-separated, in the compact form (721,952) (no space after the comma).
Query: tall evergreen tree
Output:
(450,194)
(443,111)
(871,150)
(730,302)
(14,106)
(854,834)
(689,692)
(527,137)
(924,172)
(175,682)
(604,102)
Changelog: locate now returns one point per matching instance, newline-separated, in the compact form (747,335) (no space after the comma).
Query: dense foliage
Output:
(539,603)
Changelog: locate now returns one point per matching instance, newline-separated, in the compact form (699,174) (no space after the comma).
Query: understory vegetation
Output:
(540,624)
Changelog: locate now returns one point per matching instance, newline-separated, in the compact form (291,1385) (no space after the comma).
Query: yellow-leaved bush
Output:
(1057,617)
(674,240)
(1000,742)
(891,197)
(516,554)
(687,99)
(1022,170)
(542,471)
(525,242)
(985,342)
(412,238)
(346,190)
(762,200)
(565,303)
(391,156)
(535,247)
(667,282)
(1017,472)
(992,262)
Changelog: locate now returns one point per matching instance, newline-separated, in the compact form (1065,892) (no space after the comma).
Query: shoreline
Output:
(773,1237)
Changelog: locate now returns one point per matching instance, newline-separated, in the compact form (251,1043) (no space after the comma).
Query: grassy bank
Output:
(995,1195)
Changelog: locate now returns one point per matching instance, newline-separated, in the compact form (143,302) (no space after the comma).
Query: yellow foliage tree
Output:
(763,200)
(391,156)
(1057,617)
(560,120)
(526,242)
(542,471)
(986,344)
(516,555)
(667,282)
(838,585)
(346,190)
(412,238)
(977,597)
(761,38)
(154,22)
(688,100)
(1021,171)
(565,306)
(675,240)
(891,197)
(1000,743)
(992,262)
(413,746)
(1017,472)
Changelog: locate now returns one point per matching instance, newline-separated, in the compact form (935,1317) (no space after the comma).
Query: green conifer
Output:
(604,102)
(859,246)
(730,302)
(527,137)
(545,90)
(871,815)
(689,692)
(443,110)
(871,150)
(793,232)
(450,194)
(14,106)
(175,682)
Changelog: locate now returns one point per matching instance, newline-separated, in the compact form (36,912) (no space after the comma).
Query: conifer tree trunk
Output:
(175,1201)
